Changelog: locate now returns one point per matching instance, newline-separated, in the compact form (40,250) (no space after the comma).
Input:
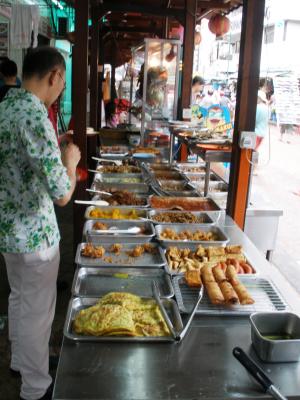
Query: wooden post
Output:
(94,102)
(113,72)
(94,69)
(248,79)
(188,52)
(101,78)
(188,60)
(80,73)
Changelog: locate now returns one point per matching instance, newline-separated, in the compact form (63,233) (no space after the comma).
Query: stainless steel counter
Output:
(202,366)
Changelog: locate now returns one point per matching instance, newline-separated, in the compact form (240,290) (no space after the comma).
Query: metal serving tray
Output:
(143,197)
(177,273)
(169,175)
(141,212)
(202,203)
(131,187)
(175,186)
(146,260)
(200,176)
(91,235)
(191,244)
(95,282)
(184,166)
(161,167)
(191,193)
(263,292)
(118,178)
(78,303)
(111,150)
(100,168)
(206,219)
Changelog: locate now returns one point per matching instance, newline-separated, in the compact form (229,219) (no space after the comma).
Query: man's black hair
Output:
(110,110)
(198,80)
(8,68)
(42,60)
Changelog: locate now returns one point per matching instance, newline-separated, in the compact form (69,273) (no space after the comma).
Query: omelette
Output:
(121,314)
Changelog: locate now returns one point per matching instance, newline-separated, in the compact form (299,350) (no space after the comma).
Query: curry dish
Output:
(113,214)
(121,314)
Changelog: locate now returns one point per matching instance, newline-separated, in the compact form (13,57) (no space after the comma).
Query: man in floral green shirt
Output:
(33,175)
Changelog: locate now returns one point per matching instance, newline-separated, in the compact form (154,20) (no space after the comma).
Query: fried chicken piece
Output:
(99,226)
(149,248)
(136,252)
(116,248)
(93,251)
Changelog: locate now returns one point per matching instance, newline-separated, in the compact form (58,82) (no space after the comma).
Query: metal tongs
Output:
(178,337)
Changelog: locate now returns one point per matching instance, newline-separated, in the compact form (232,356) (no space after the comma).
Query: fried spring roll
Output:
(231,272)
(219,274)
(214,293)
(242,292)
(228,292)
(207,275)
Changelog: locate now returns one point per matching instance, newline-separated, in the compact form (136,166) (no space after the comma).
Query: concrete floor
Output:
(278,177)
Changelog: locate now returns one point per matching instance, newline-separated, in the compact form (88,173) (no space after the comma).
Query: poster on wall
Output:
(4,39)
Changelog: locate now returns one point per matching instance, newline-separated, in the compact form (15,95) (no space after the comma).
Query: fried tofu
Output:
(193,279)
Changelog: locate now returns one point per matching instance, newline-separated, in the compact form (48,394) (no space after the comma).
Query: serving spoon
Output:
(113,229)
(92,202)
(116,162)
(98,192)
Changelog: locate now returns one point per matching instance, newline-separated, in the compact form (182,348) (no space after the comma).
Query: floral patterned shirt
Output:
(32,175)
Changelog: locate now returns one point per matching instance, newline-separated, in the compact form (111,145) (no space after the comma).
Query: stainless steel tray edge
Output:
(142,212)
(243,311)
(101,264)
(89,236)
(191,244)
(78,338)
(152,212)
(174,273)
(75,290)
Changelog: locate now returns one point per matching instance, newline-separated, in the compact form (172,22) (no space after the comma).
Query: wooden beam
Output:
(213,4)
(123,7)
(80,73)
(134,29)
(248,79)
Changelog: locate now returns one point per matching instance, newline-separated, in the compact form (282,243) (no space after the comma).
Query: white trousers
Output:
(32,279)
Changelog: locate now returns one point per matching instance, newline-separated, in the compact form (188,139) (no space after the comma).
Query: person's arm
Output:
(70,159)
(57,175)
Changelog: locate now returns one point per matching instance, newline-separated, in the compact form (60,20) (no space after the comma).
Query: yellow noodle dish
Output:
(121,314)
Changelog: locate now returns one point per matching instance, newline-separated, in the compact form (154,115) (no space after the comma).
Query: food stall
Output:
(182,278)
(133,237)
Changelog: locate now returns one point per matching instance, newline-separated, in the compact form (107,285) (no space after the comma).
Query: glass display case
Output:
(154,89)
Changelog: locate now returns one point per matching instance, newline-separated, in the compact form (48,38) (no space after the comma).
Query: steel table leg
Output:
(172,140)
(207,177)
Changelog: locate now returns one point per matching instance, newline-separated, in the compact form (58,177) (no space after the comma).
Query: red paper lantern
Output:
(198,38)
(219,25)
